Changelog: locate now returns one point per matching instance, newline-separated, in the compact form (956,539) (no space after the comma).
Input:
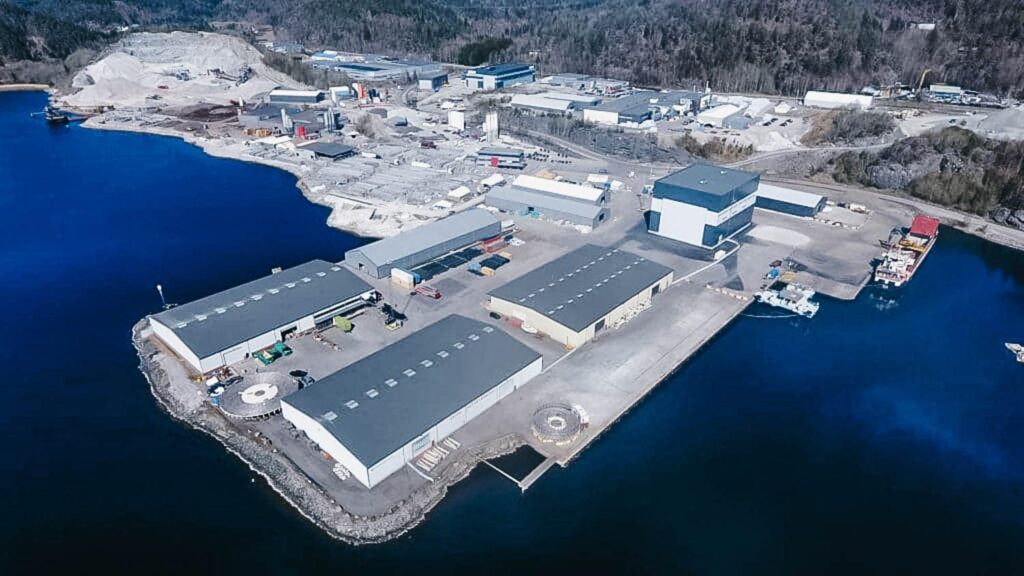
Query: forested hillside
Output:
(772,46)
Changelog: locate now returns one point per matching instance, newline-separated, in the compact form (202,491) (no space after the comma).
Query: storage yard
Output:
(521,293)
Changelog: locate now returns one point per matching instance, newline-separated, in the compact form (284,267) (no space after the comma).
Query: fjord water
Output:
(884,436)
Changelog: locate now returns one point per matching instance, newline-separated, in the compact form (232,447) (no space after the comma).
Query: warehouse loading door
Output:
(234,355)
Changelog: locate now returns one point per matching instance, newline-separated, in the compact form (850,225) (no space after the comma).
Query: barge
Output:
(905,251)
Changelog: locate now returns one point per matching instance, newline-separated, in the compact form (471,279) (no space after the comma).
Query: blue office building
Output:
(499,76)
(703,204)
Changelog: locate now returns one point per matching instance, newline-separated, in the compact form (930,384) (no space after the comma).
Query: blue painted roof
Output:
(500,69)
(712,187)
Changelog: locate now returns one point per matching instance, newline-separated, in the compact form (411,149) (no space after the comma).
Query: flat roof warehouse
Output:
(382,402)
(583,286)
(218,322)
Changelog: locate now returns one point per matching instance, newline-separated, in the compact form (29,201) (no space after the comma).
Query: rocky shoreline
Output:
(179,401)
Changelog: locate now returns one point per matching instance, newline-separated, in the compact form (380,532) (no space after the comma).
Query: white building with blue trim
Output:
(499,76)
(703,204)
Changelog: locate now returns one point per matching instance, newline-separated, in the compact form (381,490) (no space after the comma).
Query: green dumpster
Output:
(343,323)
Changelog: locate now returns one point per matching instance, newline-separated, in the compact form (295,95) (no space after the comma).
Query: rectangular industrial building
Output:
(560,189)
(381,412)
(423,244)
(819,99)
(719,115)
(432,82)
(499,76)
(329,150)
(575,297)
(634,108)
(227,327)
(789,201)
(539,103)
(281,96)
(526,203)
(501,157)
(703,204)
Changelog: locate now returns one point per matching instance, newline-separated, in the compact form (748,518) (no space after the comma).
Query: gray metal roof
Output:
(218,322)
(709,178)
(545,201)
(635,103)
(583,286)
(394,395)
(494,151)
(394,248)
(329,149)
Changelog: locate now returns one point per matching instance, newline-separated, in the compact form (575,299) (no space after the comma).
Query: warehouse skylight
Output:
(426,363)
(443,354)
(330,416)
(409,372)
(391,382)
(372,393)
(352,404)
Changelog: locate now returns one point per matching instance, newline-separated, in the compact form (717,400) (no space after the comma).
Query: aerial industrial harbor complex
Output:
(520,290)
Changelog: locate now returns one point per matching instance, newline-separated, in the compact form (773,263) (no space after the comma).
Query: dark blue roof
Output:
(501,69)
(712,187)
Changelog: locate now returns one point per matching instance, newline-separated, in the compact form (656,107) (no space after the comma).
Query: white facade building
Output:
(837,100)
(227,327)
(702,204)
(381,412)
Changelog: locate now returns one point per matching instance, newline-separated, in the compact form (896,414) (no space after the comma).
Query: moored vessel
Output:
(905,251)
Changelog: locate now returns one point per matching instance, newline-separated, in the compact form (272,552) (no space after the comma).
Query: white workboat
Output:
(793,297)
(1017,349)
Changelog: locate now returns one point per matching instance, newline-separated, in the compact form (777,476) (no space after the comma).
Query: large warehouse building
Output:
(379,413)
(632,109)
(560,189)
(499,76)
(575,297)
(789,201)
(703,204)
(527,203)
(423,244)
(225,328)
(837,100)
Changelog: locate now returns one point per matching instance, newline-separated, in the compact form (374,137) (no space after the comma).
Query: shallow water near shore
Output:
(884,436)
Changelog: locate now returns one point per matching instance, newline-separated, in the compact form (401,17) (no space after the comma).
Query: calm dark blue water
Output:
(883,437)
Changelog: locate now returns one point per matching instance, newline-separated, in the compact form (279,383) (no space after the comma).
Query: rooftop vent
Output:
(409,372)
(290,285)
(391,382)
(473,337)
(257,297)
(426,363)
(352,404)
(459,345)
(274,290)
(330,416)
(306,279)
(221,310)
(200,317)
(487,329)
(443,354)
(240,303)
(335,268)
(321,274)
(372,393)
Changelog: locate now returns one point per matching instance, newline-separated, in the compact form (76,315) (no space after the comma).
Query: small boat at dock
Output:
(1017,349)
(793,297)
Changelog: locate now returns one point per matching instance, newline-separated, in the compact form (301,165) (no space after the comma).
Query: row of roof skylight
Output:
(254,298)
(331,416)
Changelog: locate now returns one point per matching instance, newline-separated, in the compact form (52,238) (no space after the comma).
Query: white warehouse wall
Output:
(393,462)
